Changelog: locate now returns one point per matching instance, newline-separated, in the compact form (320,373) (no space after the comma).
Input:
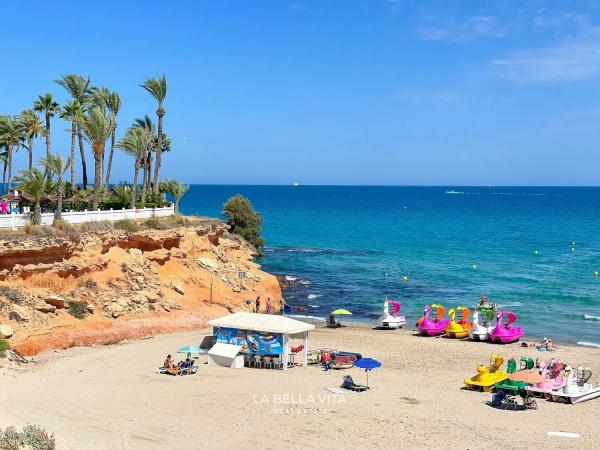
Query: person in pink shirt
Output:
(3,207)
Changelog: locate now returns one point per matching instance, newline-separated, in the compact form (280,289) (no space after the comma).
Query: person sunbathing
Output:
(170,366)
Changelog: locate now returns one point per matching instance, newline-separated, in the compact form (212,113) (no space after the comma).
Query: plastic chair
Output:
(267,362)
(258,361)
(277,363)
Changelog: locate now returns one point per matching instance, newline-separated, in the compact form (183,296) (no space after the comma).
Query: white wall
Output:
(21,220)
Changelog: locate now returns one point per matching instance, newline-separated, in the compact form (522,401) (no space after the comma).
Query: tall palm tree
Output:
(78,88)
(4,160)
(97,128)
(56,165)
(157,87)
(135,143)
(46,104)
(34,183)
(72,112)
(176,189)
(32,128)
(11,136)
(146,124)
(113,104)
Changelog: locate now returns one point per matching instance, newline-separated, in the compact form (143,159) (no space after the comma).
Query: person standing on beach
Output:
(269,306)
(257,310)
(3,207)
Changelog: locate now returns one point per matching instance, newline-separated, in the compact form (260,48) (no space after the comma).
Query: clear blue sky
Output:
(332,92)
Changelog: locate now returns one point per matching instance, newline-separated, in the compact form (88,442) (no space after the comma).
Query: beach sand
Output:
(110,398)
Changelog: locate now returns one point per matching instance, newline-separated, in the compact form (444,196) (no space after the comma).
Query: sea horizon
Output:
(351,246)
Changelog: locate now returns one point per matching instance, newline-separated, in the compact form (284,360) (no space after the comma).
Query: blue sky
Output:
(332,92)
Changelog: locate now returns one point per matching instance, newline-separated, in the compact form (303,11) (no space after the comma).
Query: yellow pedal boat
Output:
(487,376)
(459,328)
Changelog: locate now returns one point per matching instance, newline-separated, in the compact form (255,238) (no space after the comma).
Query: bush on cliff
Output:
(32,437)
(77,309)
(4,345)
(244,221)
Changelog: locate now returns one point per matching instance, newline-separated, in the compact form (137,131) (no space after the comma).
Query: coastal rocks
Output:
(177,289)
(45,307)
(208,262)
(6,331)
(19,314)
(56,301)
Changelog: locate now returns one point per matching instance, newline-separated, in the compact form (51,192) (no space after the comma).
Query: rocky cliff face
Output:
(125,284)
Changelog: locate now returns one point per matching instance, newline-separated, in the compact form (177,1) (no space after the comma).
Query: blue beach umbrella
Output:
(189,349)
(367,364)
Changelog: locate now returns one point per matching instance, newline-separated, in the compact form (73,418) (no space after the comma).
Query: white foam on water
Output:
(302,316)
(288,278)
(590,317)
(305,282)
(509,305)
(313,306)
(313,296)
(588,344)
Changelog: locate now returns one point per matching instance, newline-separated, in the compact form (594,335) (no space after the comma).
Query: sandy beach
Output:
(110,398)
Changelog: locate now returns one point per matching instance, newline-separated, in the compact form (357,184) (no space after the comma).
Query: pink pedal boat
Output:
(433,326)
(553,379)
(504,332)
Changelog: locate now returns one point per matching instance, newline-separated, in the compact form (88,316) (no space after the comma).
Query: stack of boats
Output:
(481,327)
(556,381)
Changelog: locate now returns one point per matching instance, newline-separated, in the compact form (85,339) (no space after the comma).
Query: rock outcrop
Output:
(168,279)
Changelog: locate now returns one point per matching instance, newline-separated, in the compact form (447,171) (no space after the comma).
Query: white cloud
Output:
(468,29)
(573,59)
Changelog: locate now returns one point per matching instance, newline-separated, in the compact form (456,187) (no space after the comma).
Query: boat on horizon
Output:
(452,191)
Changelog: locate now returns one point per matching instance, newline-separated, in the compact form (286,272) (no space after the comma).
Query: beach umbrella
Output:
(367,364)
(526,376)
(341,312)
(189,349)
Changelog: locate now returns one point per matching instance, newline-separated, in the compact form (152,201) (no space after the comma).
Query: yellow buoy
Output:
(405,278)
(596,274)
(474,266)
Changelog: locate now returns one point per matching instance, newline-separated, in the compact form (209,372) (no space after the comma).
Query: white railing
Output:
(111,215)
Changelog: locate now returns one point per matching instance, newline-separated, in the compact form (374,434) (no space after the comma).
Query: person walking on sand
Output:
(257,310)
(269,306)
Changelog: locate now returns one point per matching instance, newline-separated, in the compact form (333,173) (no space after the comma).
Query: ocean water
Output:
(352,246)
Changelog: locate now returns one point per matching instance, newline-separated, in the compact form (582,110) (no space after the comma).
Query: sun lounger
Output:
(188,369)
(351,386)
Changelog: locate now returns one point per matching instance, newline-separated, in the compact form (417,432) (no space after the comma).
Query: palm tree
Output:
(56,165)
(97,128)
(157,87)
(32,128)
(78,88)
(34,183)
(135,143)
(46,104)
(113,104)
(4,160)
(11,137)
(72,112)
(176,189)
(146,124)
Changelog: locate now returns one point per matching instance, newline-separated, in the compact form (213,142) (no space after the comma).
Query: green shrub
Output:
(32,437)
(127,225)
(244,221)
(152,222)
(103,225)
(77,309)
(4,345)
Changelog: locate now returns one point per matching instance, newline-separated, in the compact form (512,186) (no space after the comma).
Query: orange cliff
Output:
(129,285)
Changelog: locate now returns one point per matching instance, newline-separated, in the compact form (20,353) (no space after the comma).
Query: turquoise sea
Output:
(351,247)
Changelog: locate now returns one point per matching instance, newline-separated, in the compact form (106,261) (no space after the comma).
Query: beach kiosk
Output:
(262,334)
